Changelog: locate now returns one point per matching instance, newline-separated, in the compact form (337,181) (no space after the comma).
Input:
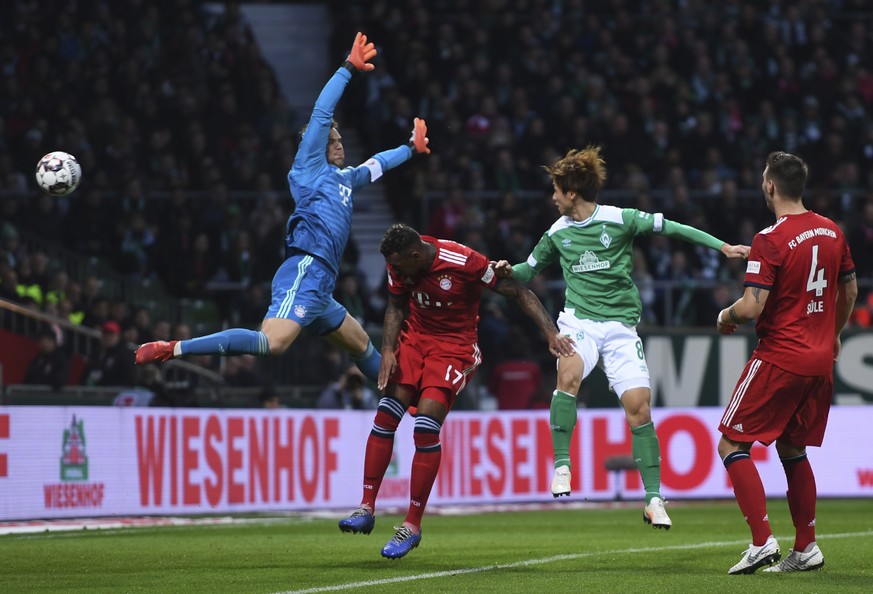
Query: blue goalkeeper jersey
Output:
(324,194)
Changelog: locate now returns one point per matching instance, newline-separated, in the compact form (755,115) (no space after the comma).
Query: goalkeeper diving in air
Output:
(316,236)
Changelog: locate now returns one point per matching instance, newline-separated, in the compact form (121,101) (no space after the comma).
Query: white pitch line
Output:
(552,559)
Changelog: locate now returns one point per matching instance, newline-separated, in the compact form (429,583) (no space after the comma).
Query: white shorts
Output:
(619,346)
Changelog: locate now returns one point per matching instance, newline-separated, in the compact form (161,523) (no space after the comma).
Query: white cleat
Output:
(656,515)
(561,481)
(755,557)
(810,559)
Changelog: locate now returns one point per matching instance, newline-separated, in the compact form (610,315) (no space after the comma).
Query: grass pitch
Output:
(555,550)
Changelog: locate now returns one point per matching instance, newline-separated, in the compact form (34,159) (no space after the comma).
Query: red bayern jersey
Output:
(444,302)
(799,260)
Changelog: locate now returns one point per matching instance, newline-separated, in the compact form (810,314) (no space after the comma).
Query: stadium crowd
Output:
(185,140)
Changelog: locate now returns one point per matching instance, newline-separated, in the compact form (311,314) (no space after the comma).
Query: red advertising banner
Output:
(93,461)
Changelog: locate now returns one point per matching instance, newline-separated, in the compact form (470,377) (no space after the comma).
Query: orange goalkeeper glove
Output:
(419,140)
(361,54)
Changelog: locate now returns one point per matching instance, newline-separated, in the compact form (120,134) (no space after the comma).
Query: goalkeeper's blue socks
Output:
(235,341)
(238,341)
(370,362)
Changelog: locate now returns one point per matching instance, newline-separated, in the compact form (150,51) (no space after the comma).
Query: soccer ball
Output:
(58,173)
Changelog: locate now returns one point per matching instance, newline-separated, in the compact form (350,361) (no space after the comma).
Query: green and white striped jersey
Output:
(596,256)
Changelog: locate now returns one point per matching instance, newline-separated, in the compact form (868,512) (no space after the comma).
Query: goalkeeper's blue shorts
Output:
(303,292)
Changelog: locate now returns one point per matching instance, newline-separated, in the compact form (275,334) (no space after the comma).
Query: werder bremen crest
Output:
(605,238)
(74,460)
(588,262)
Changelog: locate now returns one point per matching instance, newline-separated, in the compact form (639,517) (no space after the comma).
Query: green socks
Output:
(647,454)
(645,446)
(562,418)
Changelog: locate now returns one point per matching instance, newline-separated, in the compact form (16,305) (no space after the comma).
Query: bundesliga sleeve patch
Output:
(489,274)
(753,267)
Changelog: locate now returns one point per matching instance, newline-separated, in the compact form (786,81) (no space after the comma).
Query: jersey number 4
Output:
(816,281)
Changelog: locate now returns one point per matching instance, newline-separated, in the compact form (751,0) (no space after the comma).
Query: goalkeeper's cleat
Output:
(561,481)
(810,559)
(755,557)
(656,515)
(362,520)
(404,540)
(152,352)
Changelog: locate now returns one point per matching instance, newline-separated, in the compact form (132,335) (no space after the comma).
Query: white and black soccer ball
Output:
(58,173)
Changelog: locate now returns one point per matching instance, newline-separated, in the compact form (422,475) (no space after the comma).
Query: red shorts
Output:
(770,403)
(424,361)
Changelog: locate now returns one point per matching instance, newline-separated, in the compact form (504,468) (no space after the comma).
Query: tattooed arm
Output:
(847,293)
(395,313)
(559,345)
(745,309)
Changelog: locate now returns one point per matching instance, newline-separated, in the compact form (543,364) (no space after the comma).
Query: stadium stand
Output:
(185,142)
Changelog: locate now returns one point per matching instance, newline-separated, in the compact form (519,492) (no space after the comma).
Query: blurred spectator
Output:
(8,282)
(449,215)
(249,309)
(349,393)
(240,371)
(29,286)
(113,364)
(860,235)
(349,293)
(149,389)
(51,365)
(97,313)
(645,284)
(161,331)
(862,315)
(515,381)
(268,398)
(718,298)
(141,320)
(130,334)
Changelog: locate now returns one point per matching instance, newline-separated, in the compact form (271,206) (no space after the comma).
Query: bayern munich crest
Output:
(300,311)
(445,283)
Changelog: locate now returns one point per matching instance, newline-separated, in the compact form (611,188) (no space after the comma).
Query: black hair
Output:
(398,238)
(788,172)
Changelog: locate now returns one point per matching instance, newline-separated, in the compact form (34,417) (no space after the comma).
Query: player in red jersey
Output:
(801,288)
(428,355)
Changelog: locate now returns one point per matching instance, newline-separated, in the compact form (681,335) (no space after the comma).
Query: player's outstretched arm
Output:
(373,168)
(559,345)
(745,309)
(394,316)
(311,152)
(735,251)
(695,235)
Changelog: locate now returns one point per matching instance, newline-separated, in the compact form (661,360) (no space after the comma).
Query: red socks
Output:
(376,460)
(749,492)
(425,466)
(380,447)
(801,499)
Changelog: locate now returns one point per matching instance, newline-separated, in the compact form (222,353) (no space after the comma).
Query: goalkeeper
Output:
(316,236)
